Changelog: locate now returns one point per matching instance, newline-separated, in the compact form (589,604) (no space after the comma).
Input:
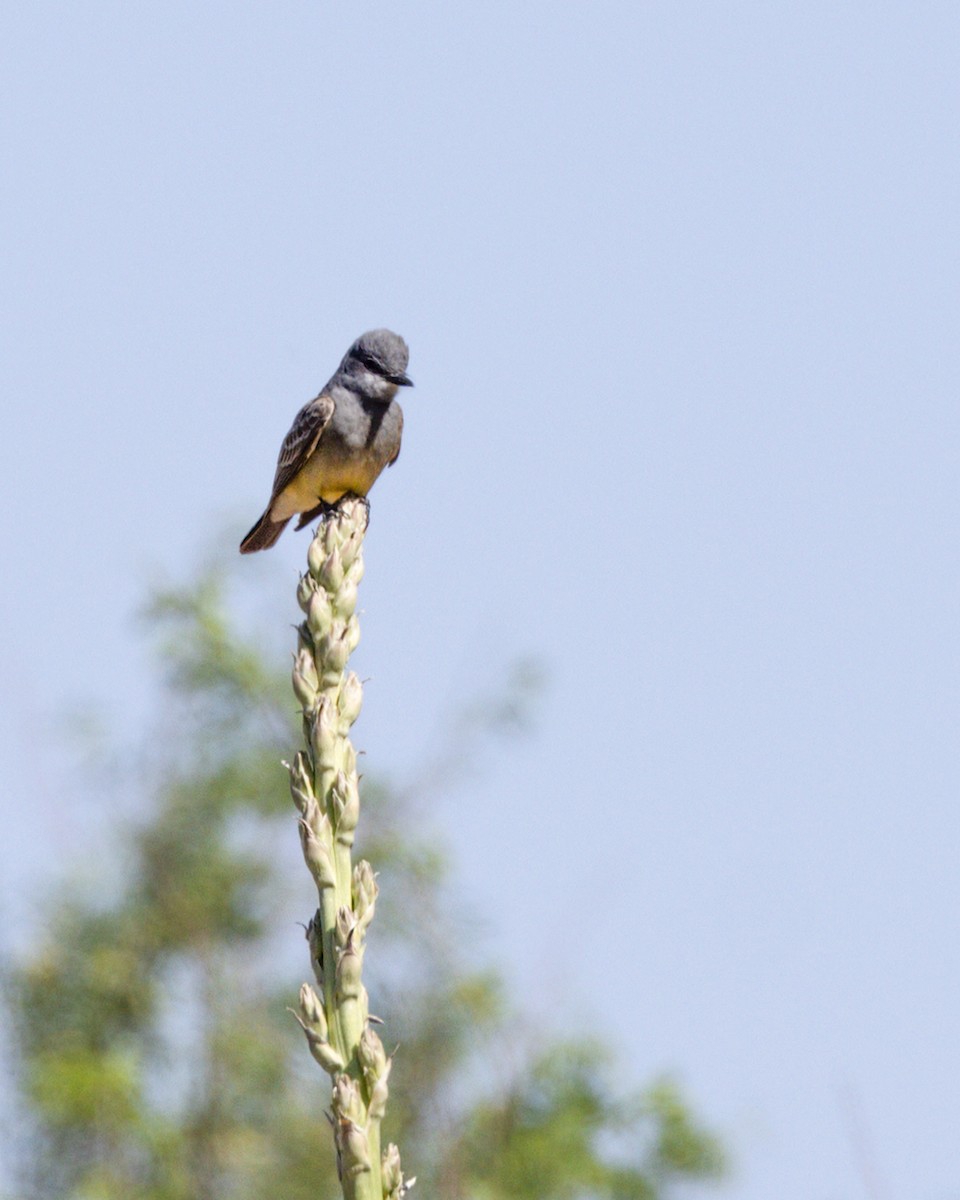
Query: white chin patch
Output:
(376,385)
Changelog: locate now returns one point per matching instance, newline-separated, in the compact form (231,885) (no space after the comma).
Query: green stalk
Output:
(324,786)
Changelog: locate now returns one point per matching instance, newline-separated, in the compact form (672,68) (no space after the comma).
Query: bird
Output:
(341,440)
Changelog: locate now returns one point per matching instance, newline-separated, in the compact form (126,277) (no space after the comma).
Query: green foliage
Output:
(543,1138)
(156,1056)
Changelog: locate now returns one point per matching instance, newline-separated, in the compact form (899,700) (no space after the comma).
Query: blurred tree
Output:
(156,1059)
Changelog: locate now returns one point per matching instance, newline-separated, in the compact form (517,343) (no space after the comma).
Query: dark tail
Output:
(263,534)
(305,518)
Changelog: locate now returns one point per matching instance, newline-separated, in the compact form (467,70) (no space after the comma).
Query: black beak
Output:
(401,379)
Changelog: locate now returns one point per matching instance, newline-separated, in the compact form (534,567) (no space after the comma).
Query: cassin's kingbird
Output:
(342,440)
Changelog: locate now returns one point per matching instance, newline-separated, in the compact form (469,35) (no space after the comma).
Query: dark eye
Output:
(368,361)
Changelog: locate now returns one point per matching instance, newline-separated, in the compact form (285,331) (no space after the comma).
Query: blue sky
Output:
(680,284)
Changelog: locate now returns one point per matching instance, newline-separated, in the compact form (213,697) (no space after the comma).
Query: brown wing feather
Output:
(301,441)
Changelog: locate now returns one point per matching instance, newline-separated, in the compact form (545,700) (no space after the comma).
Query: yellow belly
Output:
(325,480)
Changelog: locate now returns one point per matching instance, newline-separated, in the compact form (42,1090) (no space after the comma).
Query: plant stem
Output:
(325,788)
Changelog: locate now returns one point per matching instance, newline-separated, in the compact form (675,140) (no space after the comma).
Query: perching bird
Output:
(341,441)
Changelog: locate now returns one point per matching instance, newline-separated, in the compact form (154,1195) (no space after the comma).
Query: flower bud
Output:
(330,575)
(358,512)
(301,788)
(351,548)
(379,1095)
(372,1056)
(319,613)
(332,536)
(317,857)
(305,589)
(390,1172)
(333,649)
(353,1149)
(311,1011)
(346,1101)
(349,966)
(324,730)
(323,1052)
(365,892)
(305,680)
(370,1052)
(354,572)
(345,807)
(345,601)
(316,554)
(349,700)
(314,1025)
(353,634)
(315,819)
(394,1185)
(346,923)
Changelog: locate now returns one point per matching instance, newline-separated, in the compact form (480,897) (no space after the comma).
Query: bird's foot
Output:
(360,499)
(324,510)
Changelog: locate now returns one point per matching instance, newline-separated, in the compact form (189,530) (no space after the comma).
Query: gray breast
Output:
(364,428)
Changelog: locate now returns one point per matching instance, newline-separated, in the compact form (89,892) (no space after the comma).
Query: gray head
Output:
(376,364)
